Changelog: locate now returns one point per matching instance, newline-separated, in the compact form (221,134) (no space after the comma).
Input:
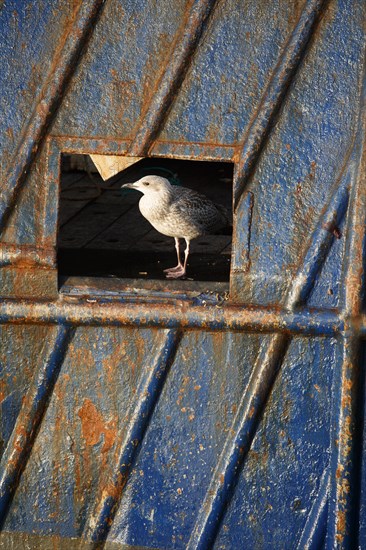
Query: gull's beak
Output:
(128,185)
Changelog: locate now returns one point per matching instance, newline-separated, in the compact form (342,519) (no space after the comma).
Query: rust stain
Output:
(2,391)
(42,108)
(333,229)
(113,360)
(346,401)
(345,488)
(10,132)
(337,233)
(93,426)
(21,431)
(181,392)
(114,491)
(341,525)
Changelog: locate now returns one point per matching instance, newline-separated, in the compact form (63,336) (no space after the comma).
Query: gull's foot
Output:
(178,267)
(175,272)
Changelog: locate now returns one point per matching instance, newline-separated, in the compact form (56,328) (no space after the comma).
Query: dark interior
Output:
(103,234)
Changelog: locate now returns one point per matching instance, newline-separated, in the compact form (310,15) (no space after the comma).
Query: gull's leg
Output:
(186,252)
(180,270)
(179,266)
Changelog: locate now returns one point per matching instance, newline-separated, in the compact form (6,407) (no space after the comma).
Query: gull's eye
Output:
(146,183)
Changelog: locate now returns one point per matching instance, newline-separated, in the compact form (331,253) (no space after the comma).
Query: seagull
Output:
(178,212)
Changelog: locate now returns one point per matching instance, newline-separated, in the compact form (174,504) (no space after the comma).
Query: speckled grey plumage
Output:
(178,212)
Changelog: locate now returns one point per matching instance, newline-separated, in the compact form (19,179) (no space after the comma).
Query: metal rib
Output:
(322,240)
(348,378)
(147,394)
(236,448)
(346,437)
(211,317)
(29,419)
(172,77)
(262,380)
(257,132)
(55,84)
(313,535)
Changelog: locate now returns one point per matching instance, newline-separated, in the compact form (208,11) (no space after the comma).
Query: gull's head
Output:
(150,185)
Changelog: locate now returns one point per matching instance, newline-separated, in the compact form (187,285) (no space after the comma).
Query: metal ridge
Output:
(63,66)
(258,129)
(26,427)
(148,393)
(172,77)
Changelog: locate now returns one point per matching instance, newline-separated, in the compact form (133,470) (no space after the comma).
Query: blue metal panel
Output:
(121,68)
(155,418)
(290,450)
(184,440)
(30,33)
(362,533)
(306,156)
(238,54)
(90,417)
(21,348)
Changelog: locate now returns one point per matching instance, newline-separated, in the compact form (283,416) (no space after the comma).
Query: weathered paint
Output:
(204,312)
(186,415)
(25,429)
(42,100)
(348,389)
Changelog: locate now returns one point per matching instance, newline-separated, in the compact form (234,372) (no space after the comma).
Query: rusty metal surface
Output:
(43,83)
(348,380)
(205,313)
(20,443)
(128,61)
(305,156)
(290,437)
(15,541)
(179,415)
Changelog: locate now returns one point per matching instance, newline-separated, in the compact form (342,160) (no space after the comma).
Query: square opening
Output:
(102,234)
